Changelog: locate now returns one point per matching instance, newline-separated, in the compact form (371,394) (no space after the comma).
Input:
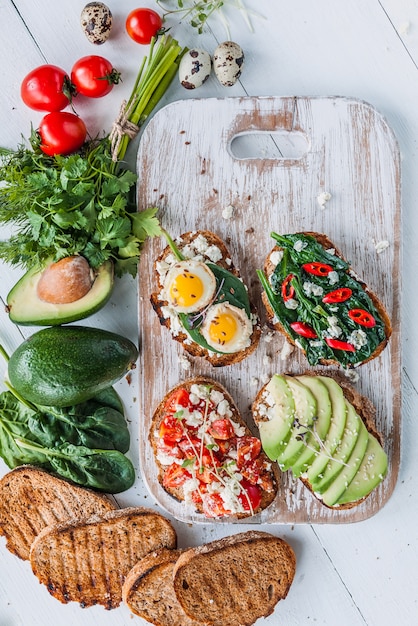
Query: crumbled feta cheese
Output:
(213,253)
(184,362)
(333,330)
(311,289)
(358,338)
(323,198)
(331,251)
(299,245)
(216,396)
(380,246)
(291,304)
(333,278)
(200,244)
(276,256)
(228,212)
(223,409)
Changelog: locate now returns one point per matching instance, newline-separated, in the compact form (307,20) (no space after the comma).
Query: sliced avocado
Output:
(370,473)
(344,478)
(335,432)
(26,308)
(275,432)
(305,414)
(320,426)
(342,452)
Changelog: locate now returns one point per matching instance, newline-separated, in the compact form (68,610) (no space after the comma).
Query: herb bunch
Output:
(84,203)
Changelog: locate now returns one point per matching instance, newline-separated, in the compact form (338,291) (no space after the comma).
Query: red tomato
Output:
(250,497)
(61,133)
(213,505)
(94,76)
(248,449)
(175,476)
(46,88)
(221,429)
(171,430)
(181,398)
(143,24)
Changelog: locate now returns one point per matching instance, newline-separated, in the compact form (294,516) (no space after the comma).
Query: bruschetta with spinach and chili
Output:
(314,298)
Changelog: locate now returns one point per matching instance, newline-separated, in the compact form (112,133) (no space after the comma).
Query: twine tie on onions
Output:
(122,126)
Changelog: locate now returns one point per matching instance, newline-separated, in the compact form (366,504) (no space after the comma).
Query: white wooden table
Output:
(347,574)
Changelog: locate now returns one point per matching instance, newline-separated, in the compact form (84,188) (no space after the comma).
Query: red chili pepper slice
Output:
(288,291)
(338,295)
(303,329)
(317,269)
(336,344)
(362,317)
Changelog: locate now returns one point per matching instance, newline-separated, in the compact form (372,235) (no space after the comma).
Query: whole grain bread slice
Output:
(86,561)
(267,496)
(148,590)
(275,324)
(31,499)
(234,580)
(225,261)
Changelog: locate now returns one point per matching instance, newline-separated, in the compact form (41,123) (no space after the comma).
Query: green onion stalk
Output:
(84,203)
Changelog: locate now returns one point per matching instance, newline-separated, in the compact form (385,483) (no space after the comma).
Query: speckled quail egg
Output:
(195,67)
(227,328)
(189,286)
(228,61)
(96,21)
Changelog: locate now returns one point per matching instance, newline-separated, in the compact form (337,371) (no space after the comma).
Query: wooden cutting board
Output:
(269,158)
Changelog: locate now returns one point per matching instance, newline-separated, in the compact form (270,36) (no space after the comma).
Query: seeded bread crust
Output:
(364,407)
(177,493)
(148,590)
(216,359)
(86,561)
(31,499)
(234,580)
(327,244)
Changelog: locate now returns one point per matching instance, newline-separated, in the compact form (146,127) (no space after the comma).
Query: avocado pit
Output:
(65,281)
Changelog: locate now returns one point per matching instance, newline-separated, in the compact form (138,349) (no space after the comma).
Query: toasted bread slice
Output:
(207,247)
(148,590)
(31,499)
(333,356)
(227,476)
(333,456)
(234,580)
(86,561)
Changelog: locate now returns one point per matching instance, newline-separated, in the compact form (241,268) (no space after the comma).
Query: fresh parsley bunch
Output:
(84,203)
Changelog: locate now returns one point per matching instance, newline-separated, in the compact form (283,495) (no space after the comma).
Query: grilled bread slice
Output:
(86,561)
(322,429)
(205,453)
(31,498)
(358,339)
(234,580)
(243,331)
(148,590)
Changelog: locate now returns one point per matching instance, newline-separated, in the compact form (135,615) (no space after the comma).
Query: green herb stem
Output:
(4,354)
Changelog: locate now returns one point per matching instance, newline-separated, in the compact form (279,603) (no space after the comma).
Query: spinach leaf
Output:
(233,289)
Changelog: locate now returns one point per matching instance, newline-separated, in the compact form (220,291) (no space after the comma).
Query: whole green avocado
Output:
(66,365)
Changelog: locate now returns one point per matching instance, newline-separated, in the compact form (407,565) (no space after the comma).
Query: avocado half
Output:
(26,308)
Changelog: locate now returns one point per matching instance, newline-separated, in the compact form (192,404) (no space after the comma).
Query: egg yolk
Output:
(186,289)
(223,328)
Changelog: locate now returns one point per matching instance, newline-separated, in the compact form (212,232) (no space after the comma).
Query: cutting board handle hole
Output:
(279,145)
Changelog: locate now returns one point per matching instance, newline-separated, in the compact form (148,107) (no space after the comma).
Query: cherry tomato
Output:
(179,398)
(46,88)
(303,329)
(248,449)
(221,429)
(336,344)
(338,295)
(61,133)
(288,291)
(94,76)
(362,317)
(250,497)
(213,505)
(143,24)
(175,476)
(171,430)
(318,269)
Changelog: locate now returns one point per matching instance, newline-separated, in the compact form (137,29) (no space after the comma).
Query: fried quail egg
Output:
(189,286)
(227,328)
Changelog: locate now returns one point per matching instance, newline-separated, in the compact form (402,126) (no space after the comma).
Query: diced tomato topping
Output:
(175,476)
(171,430)
(180,397)
(225,446)
(206,466)
(256,473)
(221,429)
(171,449)
(213,505)
(248,449)
(190,446)
(250,497)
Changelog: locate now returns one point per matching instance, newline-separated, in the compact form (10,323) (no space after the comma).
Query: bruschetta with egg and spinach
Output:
(314,298)
(203,301)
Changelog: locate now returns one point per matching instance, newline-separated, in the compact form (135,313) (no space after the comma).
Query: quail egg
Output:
(189,286)
(228,61)
(227,328)
(96,22)
(195,67)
